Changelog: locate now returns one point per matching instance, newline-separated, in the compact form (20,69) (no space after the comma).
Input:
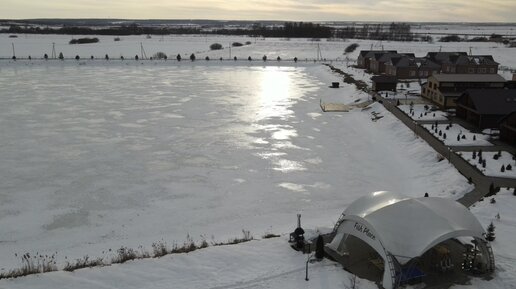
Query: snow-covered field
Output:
(503,246)
(129,46)
(457,135)
(493,166)
(97,155)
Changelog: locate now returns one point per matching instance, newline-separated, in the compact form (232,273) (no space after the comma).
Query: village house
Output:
(443,58)
(485,108)
(462,63)
(444,89)
(471,64)
(364,58)
(377,63)
(406,67)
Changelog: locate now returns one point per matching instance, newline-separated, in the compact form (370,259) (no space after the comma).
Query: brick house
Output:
(443,58)
(406,67)
(444,89)
(486,107)
(364,57)
(378,62)
(471,64)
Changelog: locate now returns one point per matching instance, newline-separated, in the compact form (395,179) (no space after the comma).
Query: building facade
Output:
(444,89)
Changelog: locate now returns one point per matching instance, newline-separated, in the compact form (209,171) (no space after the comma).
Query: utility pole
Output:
(14,54)
(142,52)
(54,56)
(229,50)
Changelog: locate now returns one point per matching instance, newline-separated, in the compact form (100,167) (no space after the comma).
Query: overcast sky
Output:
(306,10)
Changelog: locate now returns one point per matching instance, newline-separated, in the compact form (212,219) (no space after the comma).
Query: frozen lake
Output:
(93,157)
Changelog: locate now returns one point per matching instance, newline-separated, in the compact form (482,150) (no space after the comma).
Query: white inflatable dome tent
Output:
(404,231)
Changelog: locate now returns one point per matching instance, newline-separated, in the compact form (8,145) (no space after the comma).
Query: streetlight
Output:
(450,151)
(308,260)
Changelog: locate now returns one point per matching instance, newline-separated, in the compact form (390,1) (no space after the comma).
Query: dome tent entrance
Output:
(400,229)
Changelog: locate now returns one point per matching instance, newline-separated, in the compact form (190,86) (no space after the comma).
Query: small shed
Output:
(384,82)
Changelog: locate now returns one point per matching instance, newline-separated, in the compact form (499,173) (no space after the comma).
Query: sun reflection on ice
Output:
(274,97)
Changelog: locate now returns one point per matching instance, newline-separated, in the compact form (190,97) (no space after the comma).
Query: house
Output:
(377,63)
(508,128)
(444,89)
(365,56)
(471,64)
(406,67)
(443,58)
(384,82)
(486,107)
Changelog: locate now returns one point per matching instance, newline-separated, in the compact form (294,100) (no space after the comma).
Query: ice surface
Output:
(94,157)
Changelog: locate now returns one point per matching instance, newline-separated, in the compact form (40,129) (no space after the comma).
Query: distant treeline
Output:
(393,31)
(492,38)
(289,29)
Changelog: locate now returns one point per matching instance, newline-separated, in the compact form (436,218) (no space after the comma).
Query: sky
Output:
(295,10)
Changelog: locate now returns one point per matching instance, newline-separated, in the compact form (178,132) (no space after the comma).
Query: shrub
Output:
(502,169)
(83,262)
(84,40)
(124,254)
(207,58)
(270,235)
(248,43)
(192,57)
(351,48)
(492,201)
(508,167)
(159,55)
(216,46)
(159,249)
(32,265)
(470,180)
(490,236)
(450,38)
(237,44)
(61,56)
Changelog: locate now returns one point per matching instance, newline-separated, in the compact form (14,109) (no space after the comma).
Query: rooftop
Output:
(469,78)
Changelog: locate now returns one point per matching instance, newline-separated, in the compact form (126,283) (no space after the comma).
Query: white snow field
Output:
(420,113)
(96,155)
(470,138)
(493,167)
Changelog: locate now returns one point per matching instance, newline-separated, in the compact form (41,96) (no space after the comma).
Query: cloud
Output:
(307,10)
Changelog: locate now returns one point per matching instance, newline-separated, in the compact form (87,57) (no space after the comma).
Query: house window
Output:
(482,70)
(412,73)
(471,70)
(491,70)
